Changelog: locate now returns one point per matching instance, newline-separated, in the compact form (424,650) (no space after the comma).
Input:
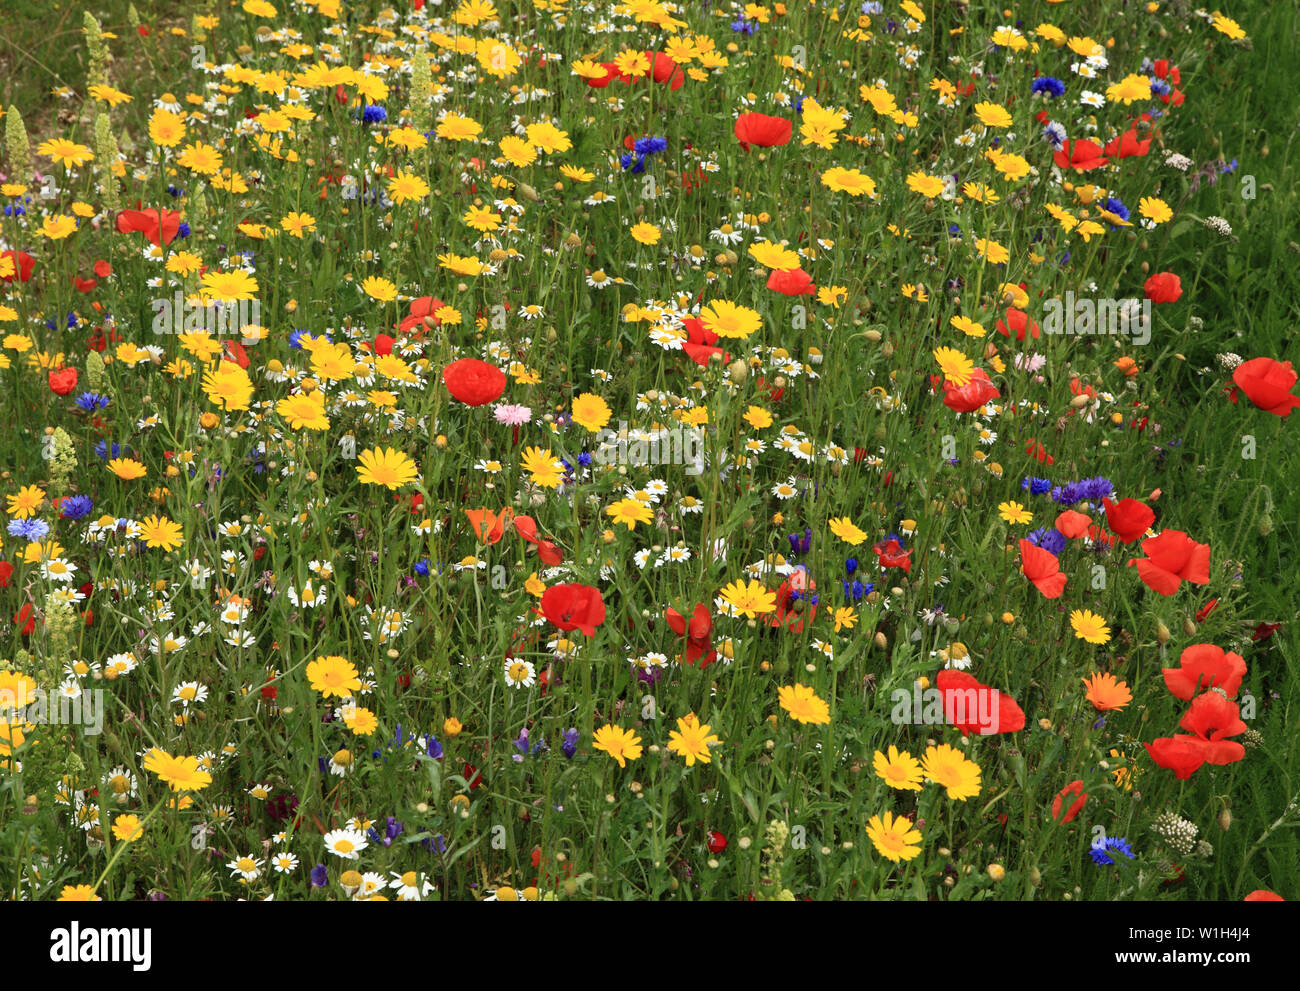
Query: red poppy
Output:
(762,130)
(1203,666)
(611,73)
(24,620)
(1073,788)
(1267,384)
(23,264)
(103,269)
(1263,895)
(972,706)
(234,351)
(1206,609)
(971,396)
(474,382)
(791,282)
(1180,754)
(1163,287)
(892,555)
(62,380)
(84,285)
(383,344)
(1128,519)
(1213,719)
(792,605)
(1081,155)
(574,607)
(717,842)
(1264,631)
(1170,558)
(422,314)
(699,342)
(1039,453)
(1019,321)
(489,526)
(6,571)
(1127,145)
(698,633)
(147,223)
(1043,569)
(1073,524)
(664,70)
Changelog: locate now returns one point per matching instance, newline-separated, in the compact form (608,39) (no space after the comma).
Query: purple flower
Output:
(570,745)
(319,876)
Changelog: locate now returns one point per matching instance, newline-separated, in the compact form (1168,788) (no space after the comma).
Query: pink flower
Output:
(512,415)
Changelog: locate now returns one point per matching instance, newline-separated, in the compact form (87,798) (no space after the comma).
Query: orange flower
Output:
(488,526)
(1105,693)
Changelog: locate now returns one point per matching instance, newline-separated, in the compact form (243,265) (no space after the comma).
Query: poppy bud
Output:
(1162,633)
(1189,627)
(738,371)
(526,191)
(1265,525)
(882,641)
(1225,819)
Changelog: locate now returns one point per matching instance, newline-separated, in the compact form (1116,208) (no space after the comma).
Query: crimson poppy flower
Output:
(383,344)
(717,842)
(25,621)
(1073,788)
(1170,558)
(611,73)
(1264,631)
(698,633)
(664,69)
(103,269)
(84,285)
(1128,519)
(971,396)
(762,130)
(1267,384)
(892,555)
(574,607)
(489,526)
(1042,568)
(699,342)
(1203,666)
(23,265)
(1263,895)
(1163,287)
(793,607)
(1018,321)
(1081,155)
(474,382)
(62,380)
(791,282)
(159,227)
(1039,453)
(972,706)
(234,351)
(1180,754)
(1213,719)
(422,314)
(1206,609)
(1072,524)
(1127,145)
(6,572)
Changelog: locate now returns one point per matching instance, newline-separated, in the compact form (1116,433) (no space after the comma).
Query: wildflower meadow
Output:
(536,450)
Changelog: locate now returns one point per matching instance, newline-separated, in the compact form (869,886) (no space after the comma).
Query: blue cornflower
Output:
(1117,207)
(1112,844)
(1054,134)
(743,26)
(30,530)
(1036,486)
(570,745)
(637,166)
(91,401)
(1049,539)
(1050,85)
(374,114)
(77,506)
(1159,87)
(319,876)
(584,459)
(422,569)
(183,230)
(650,146)
(851,565)
(175,192)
